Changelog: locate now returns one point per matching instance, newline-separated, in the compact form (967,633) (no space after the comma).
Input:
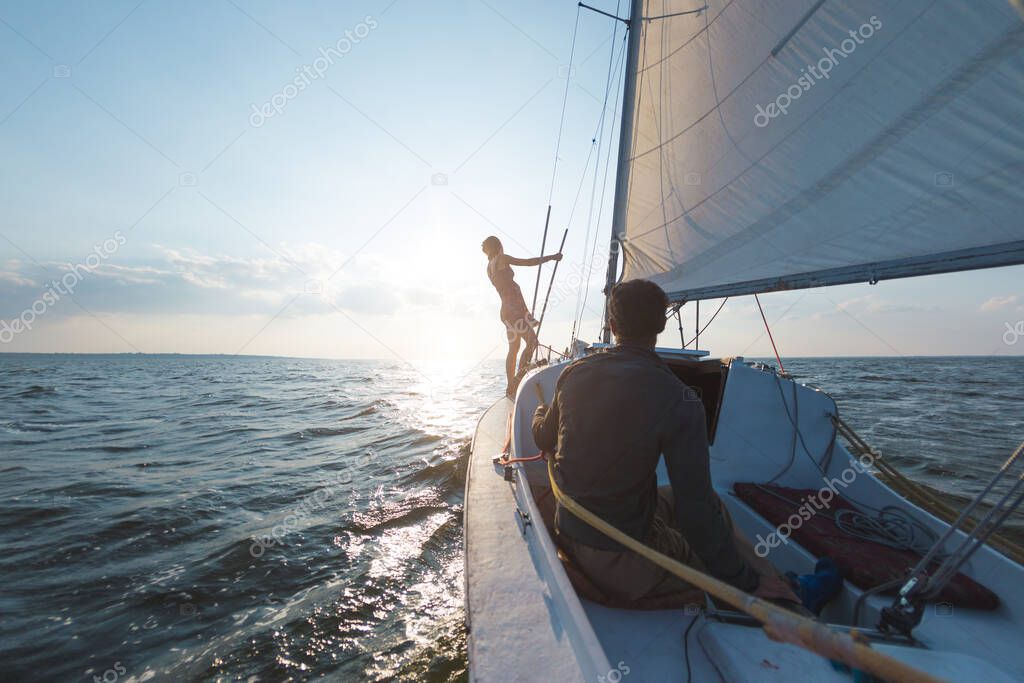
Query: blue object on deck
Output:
(817,589)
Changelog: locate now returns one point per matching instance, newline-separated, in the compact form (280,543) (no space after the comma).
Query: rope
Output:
(892,527)
(779,624)
(532,458)
(794,419)
(769,329)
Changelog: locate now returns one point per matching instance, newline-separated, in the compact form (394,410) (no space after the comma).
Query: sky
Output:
(315,178)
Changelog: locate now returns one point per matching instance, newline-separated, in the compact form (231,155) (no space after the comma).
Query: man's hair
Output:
(637,308)
(492,246)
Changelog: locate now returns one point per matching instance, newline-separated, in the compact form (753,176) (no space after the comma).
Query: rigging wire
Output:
(551,284)
(593,189)
(598,135)
(558,146)
(639,96)
(696,324)
(769,329)
(615,242)
(706,326)
(588,269)
(595,142)
(565,99)
(679,319)
(583,178)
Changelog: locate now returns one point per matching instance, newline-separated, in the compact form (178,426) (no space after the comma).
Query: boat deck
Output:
(527,622)
(508,610)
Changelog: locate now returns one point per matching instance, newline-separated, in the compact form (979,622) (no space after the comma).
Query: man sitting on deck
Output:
(613,416)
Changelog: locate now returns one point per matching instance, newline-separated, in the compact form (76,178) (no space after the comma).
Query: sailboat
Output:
(768,146)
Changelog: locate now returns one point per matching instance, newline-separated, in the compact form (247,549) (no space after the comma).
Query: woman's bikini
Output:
(513,306)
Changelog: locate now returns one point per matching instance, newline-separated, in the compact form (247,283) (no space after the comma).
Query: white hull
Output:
(527,623)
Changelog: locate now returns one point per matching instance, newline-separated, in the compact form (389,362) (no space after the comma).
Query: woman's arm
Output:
(536,261)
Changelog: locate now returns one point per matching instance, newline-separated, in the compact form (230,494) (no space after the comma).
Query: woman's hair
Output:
(492,246)
(638,309)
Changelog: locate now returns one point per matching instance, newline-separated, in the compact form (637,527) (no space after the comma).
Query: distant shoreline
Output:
(231,355)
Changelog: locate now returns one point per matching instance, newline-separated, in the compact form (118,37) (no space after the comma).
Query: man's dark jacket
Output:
(614,414)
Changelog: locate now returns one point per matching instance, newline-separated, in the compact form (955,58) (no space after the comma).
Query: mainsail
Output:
(779,145)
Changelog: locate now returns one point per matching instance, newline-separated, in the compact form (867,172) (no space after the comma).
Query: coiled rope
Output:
(918,494)
(891,527)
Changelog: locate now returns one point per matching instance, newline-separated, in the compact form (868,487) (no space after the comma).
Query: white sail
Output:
(798,143)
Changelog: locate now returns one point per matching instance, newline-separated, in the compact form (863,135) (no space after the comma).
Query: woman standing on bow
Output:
(519,323)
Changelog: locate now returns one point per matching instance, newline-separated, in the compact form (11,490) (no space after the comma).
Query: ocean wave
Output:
(450,473)
(317,432)
(36,390)
(398,513)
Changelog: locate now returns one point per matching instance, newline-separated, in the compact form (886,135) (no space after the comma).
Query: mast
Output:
(625,153)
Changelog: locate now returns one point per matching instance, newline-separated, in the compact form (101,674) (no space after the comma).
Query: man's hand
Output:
(545,427)
(774,588)
(555,257)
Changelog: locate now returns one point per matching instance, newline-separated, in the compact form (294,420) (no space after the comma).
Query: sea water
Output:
(250,518)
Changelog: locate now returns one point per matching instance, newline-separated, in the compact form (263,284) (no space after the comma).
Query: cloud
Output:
(304,279)
(15,279)
(999,302)
(872,303)
(378,299)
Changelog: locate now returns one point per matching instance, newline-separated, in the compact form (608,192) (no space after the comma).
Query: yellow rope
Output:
(780,625)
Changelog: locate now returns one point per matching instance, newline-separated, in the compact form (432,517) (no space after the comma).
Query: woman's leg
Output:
(531,345)
(510,360)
